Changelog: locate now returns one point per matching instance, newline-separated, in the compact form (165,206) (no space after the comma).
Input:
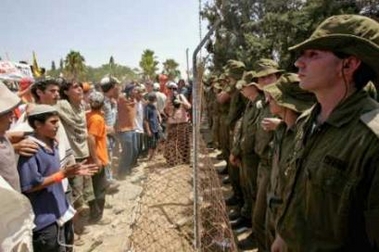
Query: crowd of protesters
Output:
(59,139)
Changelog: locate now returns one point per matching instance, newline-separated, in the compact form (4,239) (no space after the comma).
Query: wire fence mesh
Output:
(167,216)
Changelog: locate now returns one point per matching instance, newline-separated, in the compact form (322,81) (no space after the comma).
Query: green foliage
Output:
(95,74)
(53,68)
(123,73)
(148,64)
(254,29)
(170,68)
(74,66)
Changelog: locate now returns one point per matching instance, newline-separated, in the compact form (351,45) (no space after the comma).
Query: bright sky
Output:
(99,29)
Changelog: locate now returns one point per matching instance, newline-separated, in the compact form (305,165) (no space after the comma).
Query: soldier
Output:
(243,154)
(287,100)
(332,201)
(267,72)
(233,72)
(216,89)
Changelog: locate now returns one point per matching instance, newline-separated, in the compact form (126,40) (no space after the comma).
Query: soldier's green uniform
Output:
(332,198)
(209,98)
(287,94)
(224,111)
(234,71)
(243,149)
(262,148)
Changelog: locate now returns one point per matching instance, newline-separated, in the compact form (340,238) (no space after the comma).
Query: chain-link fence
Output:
(172,215)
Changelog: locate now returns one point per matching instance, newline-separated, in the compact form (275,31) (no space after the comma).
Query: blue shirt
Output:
(50,203)
(151,116)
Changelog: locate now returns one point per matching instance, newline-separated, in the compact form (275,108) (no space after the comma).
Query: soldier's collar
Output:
(347,110)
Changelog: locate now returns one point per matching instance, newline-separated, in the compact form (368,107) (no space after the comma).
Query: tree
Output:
(111,64)
(148,64)
(61,64)
(170,67)
(253,29)
(74,65)
(53,68)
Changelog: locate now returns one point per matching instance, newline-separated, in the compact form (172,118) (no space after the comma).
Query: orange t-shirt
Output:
(96,127)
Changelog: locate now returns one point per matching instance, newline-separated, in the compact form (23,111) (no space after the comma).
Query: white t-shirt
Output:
(139,117)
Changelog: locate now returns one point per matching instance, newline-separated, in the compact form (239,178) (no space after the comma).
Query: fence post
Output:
(195,134)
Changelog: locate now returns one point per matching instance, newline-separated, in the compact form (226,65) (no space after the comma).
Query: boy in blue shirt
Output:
(151,123)
(40,180)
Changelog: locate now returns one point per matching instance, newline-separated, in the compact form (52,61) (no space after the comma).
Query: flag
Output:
(37,72)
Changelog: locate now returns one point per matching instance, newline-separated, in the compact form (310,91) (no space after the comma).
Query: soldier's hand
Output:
(26,147)
(279,245)
(234,160)
(270,123)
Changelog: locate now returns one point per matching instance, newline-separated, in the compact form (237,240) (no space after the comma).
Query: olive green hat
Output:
(222,77)
(287,93)
(217,85)
(350,34)
(264,67)
(234,69)
(246,80)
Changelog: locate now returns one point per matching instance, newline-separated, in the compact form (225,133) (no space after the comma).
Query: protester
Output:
(40,179)
(72,115)
(139,92)
(97,144)
(110,88)
(125,128)
(151,122)
(177,146)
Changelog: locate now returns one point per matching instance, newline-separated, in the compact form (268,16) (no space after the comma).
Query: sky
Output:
(99,29)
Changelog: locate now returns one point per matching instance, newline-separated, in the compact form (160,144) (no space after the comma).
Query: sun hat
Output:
(287,93)
(350,34)
(246,80)
(234,69)
(8,99)
(39,109)
(264,67)
(217,86)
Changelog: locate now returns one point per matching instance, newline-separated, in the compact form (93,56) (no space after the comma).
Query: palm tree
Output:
(74,65)
(148,64)
(170,68)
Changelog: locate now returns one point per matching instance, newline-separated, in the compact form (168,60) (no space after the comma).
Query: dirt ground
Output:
(153,211)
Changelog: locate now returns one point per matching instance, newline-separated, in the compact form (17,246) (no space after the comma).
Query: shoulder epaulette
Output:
(371,119)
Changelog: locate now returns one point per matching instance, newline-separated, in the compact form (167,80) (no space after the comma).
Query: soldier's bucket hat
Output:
(234,69)
(246,80)
(264,67)
(350,34)
(287,93)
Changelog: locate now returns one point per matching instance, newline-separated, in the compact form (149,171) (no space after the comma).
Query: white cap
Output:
(156,86)
(171,84)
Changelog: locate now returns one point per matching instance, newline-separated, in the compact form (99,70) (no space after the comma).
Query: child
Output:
(151,122)
(97,143)
(40,179)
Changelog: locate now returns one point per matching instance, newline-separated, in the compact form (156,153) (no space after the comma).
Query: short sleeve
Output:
(95,126)
(29,173)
